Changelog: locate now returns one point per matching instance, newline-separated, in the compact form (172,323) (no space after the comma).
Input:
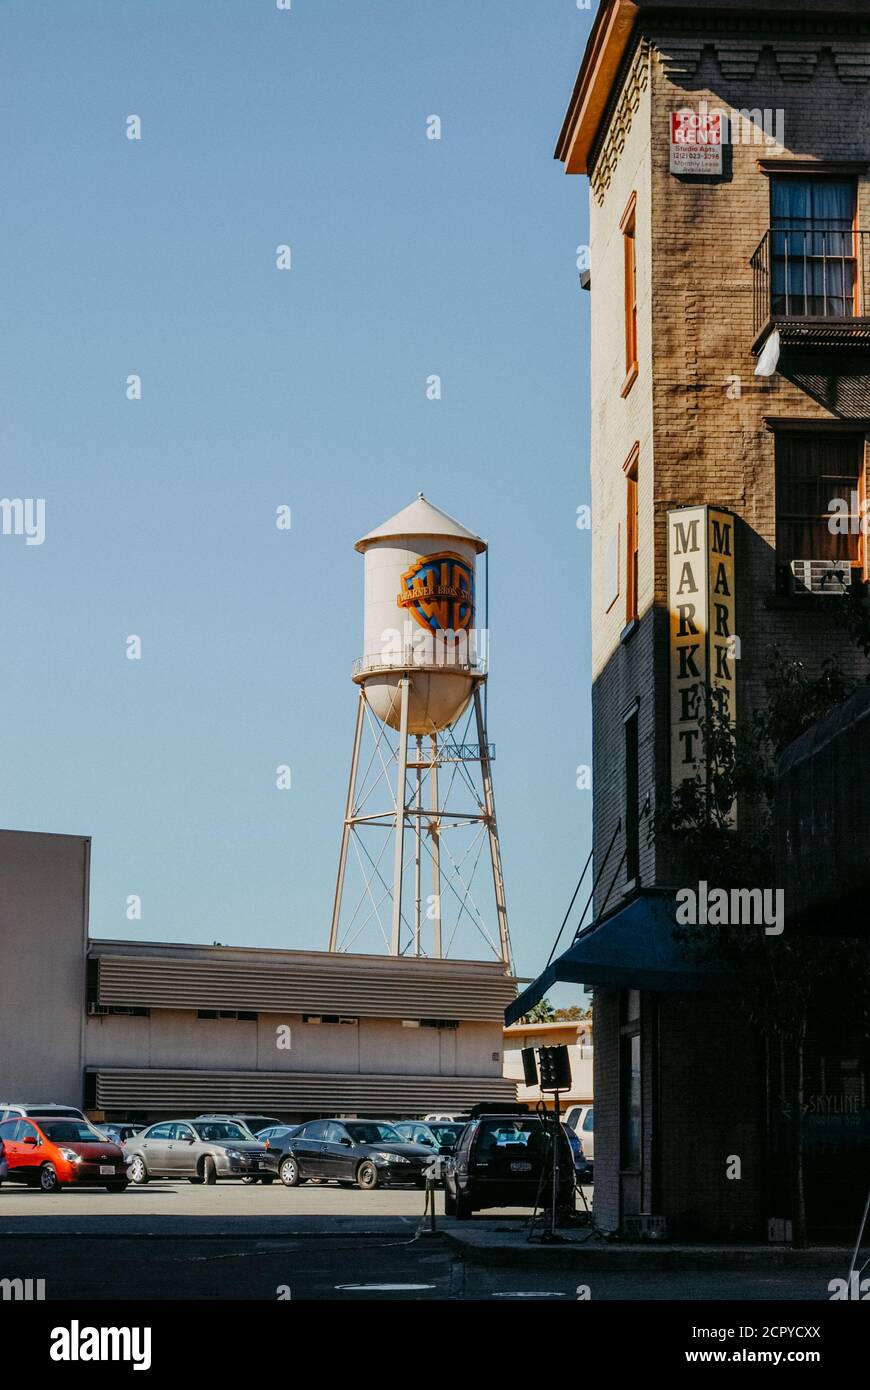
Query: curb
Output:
(597,1256)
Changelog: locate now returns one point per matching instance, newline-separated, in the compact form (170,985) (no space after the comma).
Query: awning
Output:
(634,948)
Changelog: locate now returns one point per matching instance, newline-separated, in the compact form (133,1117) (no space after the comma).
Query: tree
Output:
(542,1012)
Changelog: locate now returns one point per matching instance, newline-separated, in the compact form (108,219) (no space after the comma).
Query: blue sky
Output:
(263,127)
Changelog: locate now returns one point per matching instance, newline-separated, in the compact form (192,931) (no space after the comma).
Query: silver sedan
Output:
(199,1150)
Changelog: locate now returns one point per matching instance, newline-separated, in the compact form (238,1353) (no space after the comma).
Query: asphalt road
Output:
(175,1241)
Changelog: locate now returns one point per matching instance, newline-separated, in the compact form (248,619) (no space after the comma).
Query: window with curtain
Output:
(812,470)
(814,261)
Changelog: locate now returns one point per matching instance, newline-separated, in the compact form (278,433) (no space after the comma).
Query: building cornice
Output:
(613,39)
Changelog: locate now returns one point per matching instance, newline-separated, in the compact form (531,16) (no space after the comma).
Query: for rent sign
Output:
(696,142)
(703,645)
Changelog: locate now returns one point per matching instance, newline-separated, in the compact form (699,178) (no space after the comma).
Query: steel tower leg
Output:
(418,847)
(348,814)
(435,837)
(399,857)
(492,829)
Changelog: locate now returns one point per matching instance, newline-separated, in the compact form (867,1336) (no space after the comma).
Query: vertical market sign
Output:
(701,619)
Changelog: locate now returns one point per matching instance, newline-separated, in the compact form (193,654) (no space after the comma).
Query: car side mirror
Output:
(31,1139)
(347,1142)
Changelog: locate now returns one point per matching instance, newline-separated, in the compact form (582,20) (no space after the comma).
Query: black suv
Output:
(500,1162)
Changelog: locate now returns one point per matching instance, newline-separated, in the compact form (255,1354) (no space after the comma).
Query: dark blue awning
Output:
(632,949)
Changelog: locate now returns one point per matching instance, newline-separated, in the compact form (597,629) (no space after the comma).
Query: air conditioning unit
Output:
(645,1227)
(820,576)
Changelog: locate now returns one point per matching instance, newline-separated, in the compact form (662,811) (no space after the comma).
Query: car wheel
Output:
(137,1171)
(449,1203)
(48,1179)
(464,1209)
(209,1171)
(289,1172)
(367,1176)
(267,1182)
(196,1180)
(116,1187)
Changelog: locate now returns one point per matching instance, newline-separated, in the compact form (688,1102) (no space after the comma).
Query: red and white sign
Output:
(696,142)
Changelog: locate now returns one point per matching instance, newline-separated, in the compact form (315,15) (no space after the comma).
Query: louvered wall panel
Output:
(195,1091)
(172,983)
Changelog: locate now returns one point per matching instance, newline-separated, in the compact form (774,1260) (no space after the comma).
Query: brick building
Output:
(726,150)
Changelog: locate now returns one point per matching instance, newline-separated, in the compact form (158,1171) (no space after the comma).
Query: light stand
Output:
(554,1066)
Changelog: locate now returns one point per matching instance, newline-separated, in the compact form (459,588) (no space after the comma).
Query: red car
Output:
(53,1153)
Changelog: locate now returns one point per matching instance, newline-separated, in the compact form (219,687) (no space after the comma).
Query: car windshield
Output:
(215,1131)
(373,1134)
(70,1132)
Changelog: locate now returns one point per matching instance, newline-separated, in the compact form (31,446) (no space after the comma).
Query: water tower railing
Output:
(413,657)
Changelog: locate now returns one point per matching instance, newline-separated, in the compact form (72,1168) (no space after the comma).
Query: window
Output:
(628,225)
(314,1131)
(629,1100)
(335,1133)
(814,260)
(242,1015)
(632,836)
(820,489)
(630,470)
(164,1131)
(183,1133)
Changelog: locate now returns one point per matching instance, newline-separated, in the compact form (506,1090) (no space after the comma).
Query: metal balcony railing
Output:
(812,274)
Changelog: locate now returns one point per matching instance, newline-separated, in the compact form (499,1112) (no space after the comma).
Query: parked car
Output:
(581,1167)
(4,1166)
(253,1123)
(440,1137)
(120,1133)
(449,1118)
(50,1153)
(368,1153)
(499,1163)
(277,1141)
(198,1150)
(13,1109)
(581,1118)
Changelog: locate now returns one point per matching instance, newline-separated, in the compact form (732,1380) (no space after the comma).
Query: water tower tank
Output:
(420,617)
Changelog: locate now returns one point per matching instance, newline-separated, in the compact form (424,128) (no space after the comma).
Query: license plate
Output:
(106,1170)
(518,1167)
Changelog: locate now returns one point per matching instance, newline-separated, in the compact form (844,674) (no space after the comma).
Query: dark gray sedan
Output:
(199,1150)
(365,1153)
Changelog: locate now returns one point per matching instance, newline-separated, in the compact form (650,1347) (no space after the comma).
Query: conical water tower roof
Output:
(421,518)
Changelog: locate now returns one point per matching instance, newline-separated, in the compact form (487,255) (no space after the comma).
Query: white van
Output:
(580,1118)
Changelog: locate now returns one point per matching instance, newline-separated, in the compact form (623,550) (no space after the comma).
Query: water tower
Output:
(423,784)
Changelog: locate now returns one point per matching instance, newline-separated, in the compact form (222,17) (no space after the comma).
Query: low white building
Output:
(142,1030)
